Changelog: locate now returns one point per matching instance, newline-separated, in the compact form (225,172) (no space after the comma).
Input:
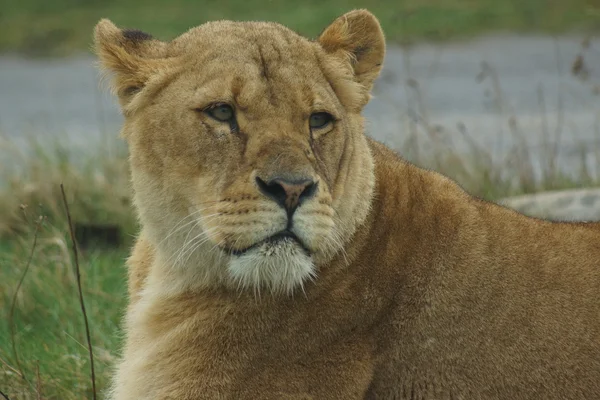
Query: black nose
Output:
(289,194)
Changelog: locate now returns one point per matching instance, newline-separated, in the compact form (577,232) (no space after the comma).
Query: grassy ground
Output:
(61,26)
(47,321)
(48,324)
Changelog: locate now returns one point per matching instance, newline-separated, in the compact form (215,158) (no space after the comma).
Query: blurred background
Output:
(501,95)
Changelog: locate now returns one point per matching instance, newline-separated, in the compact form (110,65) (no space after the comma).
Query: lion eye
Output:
(221,112)
(320,120)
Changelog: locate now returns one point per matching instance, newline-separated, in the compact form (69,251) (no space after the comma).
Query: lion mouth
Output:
(280,237)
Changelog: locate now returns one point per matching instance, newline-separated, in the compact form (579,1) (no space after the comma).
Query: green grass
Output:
(48,321)
(61,26)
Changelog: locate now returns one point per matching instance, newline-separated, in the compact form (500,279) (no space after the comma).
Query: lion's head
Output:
(249,162)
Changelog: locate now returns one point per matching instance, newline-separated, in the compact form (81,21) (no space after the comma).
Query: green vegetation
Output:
(59,27)
(48,323)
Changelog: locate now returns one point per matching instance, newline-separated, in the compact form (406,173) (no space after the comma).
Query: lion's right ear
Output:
(132,56)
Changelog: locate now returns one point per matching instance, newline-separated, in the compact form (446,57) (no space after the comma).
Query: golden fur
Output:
(399,286)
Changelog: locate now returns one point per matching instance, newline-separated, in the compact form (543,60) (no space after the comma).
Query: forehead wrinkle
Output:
(323,98)
(219,87)
(307,93)
(245,91)
(263,63)
(236,89)
(265,68)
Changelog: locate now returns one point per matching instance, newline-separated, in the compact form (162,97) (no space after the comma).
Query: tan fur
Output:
(409,288)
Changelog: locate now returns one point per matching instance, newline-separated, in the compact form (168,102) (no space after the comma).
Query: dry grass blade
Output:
(7,365)
(81,302)
(38,381)
(11,315)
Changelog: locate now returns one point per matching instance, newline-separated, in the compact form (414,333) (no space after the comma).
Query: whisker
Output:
(176,226)
(193,244)
(187,243)
(194,247)
(173,231)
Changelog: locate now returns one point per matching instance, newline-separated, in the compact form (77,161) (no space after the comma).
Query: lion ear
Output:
(357,36)
(132,56)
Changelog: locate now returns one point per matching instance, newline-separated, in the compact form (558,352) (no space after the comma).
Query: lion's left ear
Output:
(357,35)
(134,57)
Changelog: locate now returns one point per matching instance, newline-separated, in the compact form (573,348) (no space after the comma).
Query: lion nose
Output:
(288,193)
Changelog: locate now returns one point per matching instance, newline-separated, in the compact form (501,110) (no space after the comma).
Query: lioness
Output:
(285,255)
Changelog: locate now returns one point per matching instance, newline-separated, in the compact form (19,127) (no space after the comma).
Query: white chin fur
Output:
(277,267)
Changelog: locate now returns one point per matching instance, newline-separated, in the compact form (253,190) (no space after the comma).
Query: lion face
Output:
(248,158)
